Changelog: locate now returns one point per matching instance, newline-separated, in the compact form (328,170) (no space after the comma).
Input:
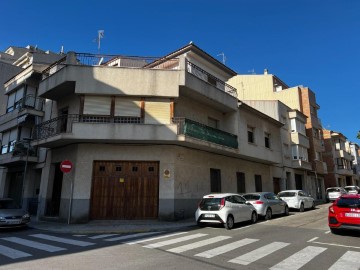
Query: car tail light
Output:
(258,202)
(222,203)
(331,209)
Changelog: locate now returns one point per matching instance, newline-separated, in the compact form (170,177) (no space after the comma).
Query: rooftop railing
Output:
(86,59)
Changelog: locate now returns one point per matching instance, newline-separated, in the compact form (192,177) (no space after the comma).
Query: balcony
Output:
(200,85)
(300,139)
(301,164)
(343,154)
(344,171)
(320,167)
(319,145)
(22,113)
(18,152)
(69,129)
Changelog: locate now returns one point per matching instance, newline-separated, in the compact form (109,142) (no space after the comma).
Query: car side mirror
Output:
(247,203)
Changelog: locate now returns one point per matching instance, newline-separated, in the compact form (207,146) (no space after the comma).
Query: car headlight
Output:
(2,218)
(26,216)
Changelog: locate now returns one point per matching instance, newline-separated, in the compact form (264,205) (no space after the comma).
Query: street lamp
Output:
(27,140)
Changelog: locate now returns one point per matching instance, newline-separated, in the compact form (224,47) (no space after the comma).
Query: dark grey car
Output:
(11,215)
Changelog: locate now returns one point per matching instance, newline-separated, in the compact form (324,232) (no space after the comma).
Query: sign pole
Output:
(66,166)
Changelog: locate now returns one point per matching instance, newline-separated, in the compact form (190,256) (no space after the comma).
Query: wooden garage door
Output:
(125,190)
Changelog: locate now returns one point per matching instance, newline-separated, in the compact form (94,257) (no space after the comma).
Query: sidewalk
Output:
(112,226)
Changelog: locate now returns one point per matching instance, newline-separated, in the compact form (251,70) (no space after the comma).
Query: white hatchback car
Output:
(225,208)
(297,199)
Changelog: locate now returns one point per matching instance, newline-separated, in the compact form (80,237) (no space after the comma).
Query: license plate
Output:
(14,222)
(357,215)
(210,215)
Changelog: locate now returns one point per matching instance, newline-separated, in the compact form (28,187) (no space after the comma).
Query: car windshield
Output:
(8,204)
(333,189)
(348,202)
(210,202)
(251,197)
(287,194)
(350,188)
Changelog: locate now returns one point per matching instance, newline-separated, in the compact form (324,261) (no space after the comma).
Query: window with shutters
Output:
(95,105)
(157,111)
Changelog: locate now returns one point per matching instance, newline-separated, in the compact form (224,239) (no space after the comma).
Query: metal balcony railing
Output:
(211,79)
(63,124)
(103,60)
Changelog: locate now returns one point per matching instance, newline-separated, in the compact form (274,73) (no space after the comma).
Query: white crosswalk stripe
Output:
(125,237)
(62,240)
(100,236)
(198,244)
(259,253)
(299,259)
(226,248)
(349,261)
(33,244)
(13,253)
(148,239)
(176,240)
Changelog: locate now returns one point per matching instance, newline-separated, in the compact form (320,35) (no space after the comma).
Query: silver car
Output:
(267,204)
(332,193)
(297,199)
(11,215)
(352,189)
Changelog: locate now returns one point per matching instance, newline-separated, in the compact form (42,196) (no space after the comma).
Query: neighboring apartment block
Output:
(269,87)
(338,158)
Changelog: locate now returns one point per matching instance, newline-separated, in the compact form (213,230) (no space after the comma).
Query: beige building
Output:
(147,138)
(269,87)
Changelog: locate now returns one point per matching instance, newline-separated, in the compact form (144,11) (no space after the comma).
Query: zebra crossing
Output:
(199,245)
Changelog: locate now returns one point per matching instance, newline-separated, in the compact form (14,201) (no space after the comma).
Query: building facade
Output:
(269,87)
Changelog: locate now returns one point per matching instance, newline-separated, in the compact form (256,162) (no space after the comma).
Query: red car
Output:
(344,213)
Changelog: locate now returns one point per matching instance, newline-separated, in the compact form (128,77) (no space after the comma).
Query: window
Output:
(251,135)
(102,169)
(118,168)
(258,183)
(299,152)
(240,177)
(267,140)
(215,180)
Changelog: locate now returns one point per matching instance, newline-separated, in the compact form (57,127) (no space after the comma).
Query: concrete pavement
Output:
(112,226)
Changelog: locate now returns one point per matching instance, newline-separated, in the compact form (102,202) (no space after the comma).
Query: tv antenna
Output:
(223,57)
(98,39)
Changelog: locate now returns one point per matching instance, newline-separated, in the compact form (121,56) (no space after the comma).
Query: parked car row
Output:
(231,208)
(332,193)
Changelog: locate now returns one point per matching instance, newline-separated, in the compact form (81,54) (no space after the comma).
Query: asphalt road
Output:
(298,241)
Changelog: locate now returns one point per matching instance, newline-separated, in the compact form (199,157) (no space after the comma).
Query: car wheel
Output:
(313,206)
(286,212)
(268,214)
(302,208)
(254,217)
(229,224)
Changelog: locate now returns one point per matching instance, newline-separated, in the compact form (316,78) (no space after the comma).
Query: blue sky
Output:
(310,42)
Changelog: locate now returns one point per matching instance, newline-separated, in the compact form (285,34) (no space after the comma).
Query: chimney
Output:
(266,71)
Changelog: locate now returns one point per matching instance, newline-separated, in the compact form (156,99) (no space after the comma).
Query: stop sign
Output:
(66,166)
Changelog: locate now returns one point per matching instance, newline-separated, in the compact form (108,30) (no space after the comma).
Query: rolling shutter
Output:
(157,112)
(97,105)
(127,107)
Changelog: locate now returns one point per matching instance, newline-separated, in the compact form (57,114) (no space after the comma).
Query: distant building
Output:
(338,158)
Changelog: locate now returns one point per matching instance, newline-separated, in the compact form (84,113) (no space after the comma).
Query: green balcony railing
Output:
(202,132)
